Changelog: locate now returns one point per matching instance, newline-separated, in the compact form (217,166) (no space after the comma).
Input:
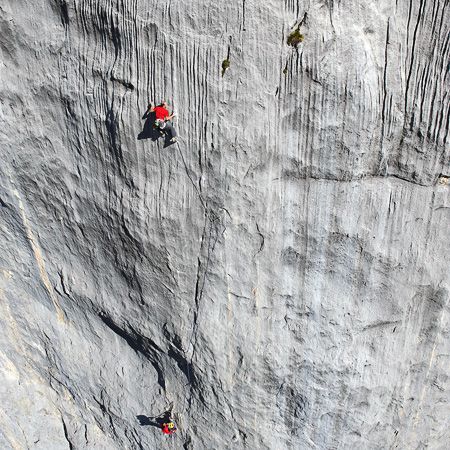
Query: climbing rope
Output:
(200,196)
(212,219)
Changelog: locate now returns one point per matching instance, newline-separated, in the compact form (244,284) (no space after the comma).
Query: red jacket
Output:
(161,113)
(166,430)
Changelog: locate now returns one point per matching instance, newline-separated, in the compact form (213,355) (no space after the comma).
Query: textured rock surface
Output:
(281,275)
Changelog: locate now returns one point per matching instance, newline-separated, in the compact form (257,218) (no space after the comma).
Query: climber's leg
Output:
(170,130)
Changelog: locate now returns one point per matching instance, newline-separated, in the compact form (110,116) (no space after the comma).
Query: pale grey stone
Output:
(281,275)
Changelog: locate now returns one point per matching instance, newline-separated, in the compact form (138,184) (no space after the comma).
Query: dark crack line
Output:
(380,324)
(353,180)
(140,344)
(413,48)
(66,434)
(211,247)
(198,295)
(63,284)
(261,246)
(383,160)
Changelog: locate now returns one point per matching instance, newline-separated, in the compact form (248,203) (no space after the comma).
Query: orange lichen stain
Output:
(39,260)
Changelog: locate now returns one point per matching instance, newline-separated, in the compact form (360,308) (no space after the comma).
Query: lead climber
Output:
(169,427)
(163,120)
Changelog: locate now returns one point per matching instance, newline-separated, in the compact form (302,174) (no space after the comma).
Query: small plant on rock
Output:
(225,65)
(295,38)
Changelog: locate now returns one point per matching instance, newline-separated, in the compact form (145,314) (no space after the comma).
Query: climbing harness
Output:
(159,123)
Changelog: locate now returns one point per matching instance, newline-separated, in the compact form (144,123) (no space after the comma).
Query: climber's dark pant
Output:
(170,130)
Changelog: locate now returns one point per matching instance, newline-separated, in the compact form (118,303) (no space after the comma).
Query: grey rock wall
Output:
(281,275)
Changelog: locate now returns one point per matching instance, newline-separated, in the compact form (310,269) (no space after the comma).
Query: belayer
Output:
(163,120)
(169,427)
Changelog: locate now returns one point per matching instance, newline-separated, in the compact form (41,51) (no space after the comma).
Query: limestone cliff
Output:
(281,274)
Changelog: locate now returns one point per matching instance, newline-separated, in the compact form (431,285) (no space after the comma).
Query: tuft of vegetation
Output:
(295,38)
(285,70)
(225,65)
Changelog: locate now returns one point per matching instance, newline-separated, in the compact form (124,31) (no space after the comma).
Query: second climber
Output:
(169,427)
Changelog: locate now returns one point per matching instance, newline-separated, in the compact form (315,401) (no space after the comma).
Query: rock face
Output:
(281,275)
